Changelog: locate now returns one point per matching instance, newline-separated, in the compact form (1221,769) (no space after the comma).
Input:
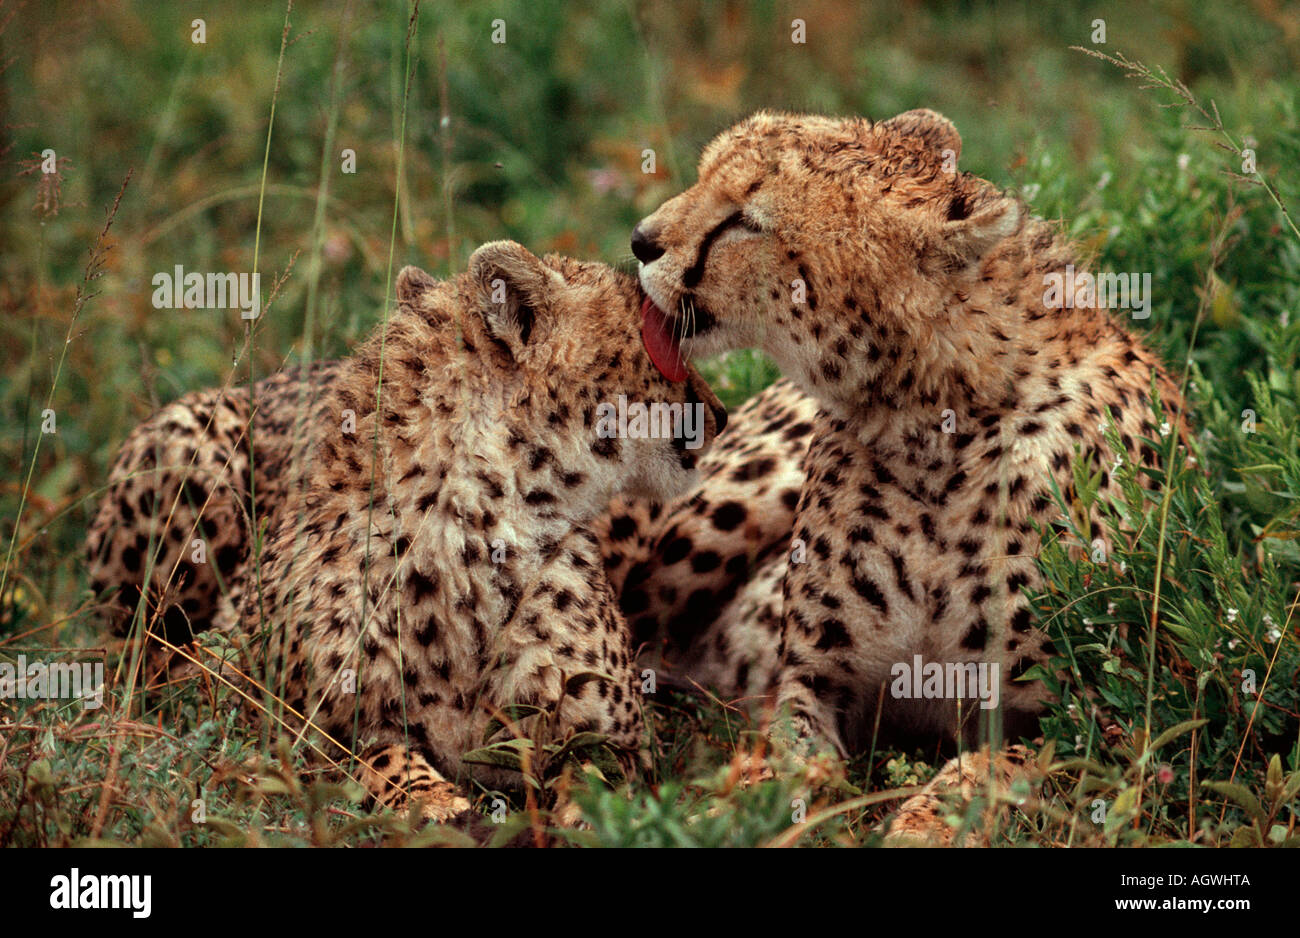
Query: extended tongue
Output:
(660,342)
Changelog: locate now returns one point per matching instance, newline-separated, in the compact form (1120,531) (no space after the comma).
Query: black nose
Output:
(644,247)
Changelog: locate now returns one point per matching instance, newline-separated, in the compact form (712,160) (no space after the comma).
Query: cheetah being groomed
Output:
(913,304)
(433,565)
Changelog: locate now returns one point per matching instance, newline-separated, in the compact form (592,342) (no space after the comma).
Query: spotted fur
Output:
(907,300)
(433,564)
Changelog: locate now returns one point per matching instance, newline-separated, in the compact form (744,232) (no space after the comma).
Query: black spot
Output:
(834,635)
(634,601)
(869,591)
(1020,667)
(737,565)
(227,558)
(677,550)
(728,516)
(421,585)
(976,636)
(621,527)
(754,469)
(706,561)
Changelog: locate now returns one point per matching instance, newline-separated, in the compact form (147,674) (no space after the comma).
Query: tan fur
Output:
(900,296)
(455,574)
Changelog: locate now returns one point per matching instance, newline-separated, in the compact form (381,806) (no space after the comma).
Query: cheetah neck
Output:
(461,513)
(983,344)
(497,517)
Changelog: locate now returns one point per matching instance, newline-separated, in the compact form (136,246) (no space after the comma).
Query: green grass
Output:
(541,140)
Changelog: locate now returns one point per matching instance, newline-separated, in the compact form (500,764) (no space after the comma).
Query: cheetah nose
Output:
(644,247)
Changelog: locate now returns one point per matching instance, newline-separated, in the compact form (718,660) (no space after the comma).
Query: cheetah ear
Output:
(514,289)
(971,232)
(412,283)
(931,126)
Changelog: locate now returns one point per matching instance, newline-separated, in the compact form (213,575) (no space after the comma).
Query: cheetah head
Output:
(564,375)
(815,239)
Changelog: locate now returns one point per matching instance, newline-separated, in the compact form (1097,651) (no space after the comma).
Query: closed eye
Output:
(736,220)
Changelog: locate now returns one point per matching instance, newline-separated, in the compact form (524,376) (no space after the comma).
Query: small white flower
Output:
(1110,609)
(1104,181)
(1119,461)
(1123,567)
(1273,635)
(1031,191)
(1285,318)
(1101,426)
(1165,428)
(1232,644)
(1232,614)
(1183,161)
(1268,620)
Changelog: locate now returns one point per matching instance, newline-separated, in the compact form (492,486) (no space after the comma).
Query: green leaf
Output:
(1240,794)
(508,753)
(1175,731)
(1273,781)
(579,741)
(573,684)
(514,713)
(1245,837)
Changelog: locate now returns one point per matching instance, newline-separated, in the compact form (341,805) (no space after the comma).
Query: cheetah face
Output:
(801,226)
(569,338)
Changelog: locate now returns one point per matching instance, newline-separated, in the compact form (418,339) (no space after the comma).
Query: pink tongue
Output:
(661,343)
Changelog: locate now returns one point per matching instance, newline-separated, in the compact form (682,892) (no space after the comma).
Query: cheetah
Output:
(705,557)
(431,566)
(911,303)
(185,488)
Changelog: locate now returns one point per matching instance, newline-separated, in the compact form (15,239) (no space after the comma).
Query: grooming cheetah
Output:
(912,303)
(418,594)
